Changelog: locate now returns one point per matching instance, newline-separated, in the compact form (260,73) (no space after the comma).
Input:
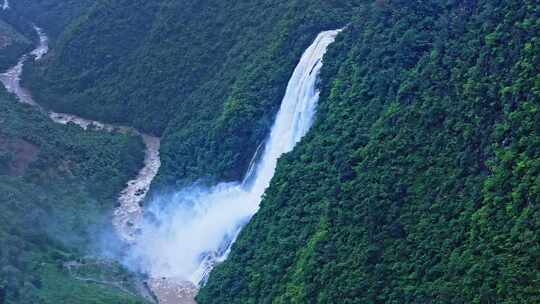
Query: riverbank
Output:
(129,211)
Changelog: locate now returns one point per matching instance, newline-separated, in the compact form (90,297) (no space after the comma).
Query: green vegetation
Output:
(12,46)
(208,75)
(54,14)
(58,185)
(420,181)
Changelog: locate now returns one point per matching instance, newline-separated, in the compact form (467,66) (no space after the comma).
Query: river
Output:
(128,214)
(181,247)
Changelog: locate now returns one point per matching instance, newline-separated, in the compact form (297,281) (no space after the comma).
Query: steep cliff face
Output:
(419,181)
(207,75)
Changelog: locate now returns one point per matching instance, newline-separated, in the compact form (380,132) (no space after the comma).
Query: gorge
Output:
(236,151)
(129,213)
(195,230)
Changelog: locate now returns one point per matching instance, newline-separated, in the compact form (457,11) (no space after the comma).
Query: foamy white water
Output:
(43,46)
(192,230)
(11,79)
(5,5)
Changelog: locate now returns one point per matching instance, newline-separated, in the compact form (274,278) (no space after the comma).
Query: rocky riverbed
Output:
(129,213)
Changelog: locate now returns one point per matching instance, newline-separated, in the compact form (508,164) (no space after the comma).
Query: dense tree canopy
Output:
(58,186)
(208,75)
(419,182)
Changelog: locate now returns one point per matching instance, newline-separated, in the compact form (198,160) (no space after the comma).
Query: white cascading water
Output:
(43,46)
(5,5)
(193,229)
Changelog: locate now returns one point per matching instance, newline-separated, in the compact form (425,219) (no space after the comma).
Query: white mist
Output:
(193,229)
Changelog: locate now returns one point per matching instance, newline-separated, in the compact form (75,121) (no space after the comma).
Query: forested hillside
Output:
(12,45)
(208,75)
(58,186)
(420,181)
(54,14)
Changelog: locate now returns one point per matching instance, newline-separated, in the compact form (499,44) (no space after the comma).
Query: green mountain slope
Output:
(58,186)
(208,75)
(12,45)
(56,15)
(420,181)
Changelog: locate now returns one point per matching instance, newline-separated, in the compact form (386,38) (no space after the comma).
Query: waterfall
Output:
(5,5)
(190,231)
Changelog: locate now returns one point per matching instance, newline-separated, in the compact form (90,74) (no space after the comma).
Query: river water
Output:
(180,248)
(128,214)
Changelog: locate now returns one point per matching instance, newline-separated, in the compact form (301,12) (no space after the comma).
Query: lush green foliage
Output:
(54,14)
(12,46)
(420,181)
(208,75)
(58,185)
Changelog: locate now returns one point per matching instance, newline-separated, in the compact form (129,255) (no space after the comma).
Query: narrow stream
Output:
(128,215)
(180,252)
